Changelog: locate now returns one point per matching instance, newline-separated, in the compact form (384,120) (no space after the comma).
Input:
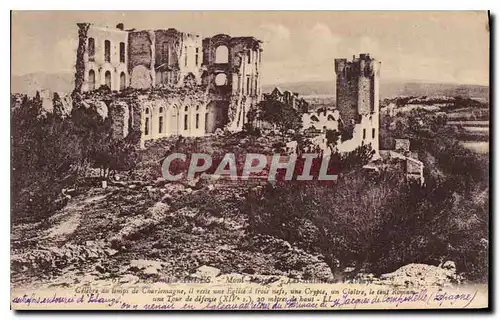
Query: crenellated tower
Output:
(358,96)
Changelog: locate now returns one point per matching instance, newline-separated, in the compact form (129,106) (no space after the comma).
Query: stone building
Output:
(102,57)
(290,98)
(164,57)
(358,98)
(232,76)
(207,84)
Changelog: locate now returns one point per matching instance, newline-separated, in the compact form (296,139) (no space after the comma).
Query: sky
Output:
(440,46)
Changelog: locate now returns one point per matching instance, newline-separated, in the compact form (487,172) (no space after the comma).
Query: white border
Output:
(492,5)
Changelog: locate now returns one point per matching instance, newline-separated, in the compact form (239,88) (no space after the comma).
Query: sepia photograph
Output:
(249,160)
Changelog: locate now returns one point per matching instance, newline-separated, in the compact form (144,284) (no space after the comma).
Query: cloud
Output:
(271,31)
(276,39)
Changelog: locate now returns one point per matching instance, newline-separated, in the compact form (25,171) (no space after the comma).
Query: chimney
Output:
(120,26)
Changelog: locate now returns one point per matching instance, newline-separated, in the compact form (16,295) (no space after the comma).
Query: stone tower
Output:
(358,97)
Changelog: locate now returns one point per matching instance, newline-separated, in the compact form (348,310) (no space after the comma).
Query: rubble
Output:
(421,275)
(206,271)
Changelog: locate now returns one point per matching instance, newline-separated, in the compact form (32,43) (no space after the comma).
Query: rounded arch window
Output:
(161,109)
(314,118)
(220,79)
(221,54)
(186,108)
(197,108)
(147,110)
(91,79)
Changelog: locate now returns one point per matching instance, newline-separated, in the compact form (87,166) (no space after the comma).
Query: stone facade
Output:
(101,58)
(232,76)
(164,57)
(358,98)
(290,98)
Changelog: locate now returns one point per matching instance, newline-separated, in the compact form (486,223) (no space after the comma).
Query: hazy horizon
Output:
(299,46)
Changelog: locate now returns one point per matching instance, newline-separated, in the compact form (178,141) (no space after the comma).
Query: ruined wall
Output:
(177,55)
(80,73)
(119,114)
(326,120)
(233,76)
(141,63)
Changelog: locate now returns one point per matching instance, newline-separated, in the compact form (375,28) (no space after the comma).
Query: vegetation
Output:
(379,222)
(280,114)
(51,153)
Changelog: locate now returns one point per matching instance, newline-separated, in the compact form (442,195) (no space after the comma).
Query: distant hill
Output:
(390,89)
(53,82)
(64,82)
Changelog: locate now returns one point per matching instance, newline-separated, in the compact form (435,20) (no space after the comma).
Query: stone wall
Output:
(141,65)
(95,66)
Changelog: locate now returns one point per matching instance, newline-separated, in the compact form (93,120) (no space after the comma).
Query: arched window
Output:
(107,51)
(221,79)
(107,79)
(221,54)
(197,120)
(186,108)
(330,117)
(160,124)
(314,118)
(91,49)
(123,81)
(147,110)
(91,80)
(161,110)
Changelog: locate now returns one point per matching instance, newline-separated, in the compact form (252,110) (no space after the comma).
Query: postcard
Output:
(250,160)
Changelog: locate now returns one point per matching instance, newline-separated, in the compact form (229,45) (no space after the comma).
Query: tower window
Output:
(185,122)
(249,56)
(196,57)
(186,56)
(373,133)
(248,85)
(364,134)
(197,120)
(107,51)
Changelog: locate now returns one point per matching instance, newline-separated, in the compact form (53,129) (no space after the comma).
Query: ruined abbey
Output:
(206,83)
(166,82)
